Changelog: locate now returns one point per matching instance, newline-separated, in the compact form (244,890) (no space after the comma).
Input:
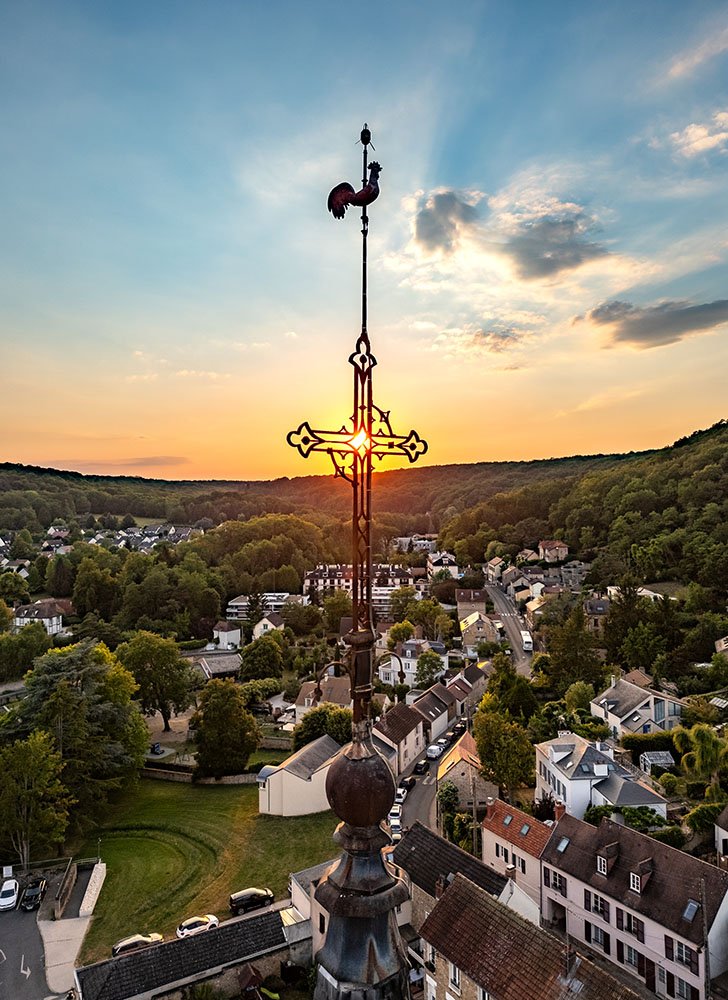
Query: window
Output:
(684,954)
(601,865)
(630,955)
(522,865)
(562,845)
(634,926)
(507,820)
(558,882)
(682,989)
(483,994)
(322,924)
(600,906)
(597,935)
(454,976)
(634,882)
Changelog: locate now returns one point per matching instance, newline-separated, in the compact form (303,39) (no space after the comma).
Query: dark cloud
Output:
(439,221)
(654,326)
(145,462)
(553,243)
(497,340)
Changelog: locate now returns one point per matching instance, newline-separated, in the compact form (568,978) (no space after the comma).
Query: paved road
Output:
(419,804)
(22,972)
(513,623)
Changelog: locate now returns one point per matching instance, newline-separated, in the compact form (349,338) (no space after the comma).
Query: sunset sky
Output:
(548,255)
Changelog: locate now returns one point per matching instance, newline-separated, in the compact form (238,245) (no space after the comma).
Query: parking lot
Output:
(22,973)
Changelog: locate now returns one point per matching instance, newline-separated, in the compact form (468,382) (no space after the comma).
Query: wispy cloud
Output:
(657,325)
(696,139)
(142,377)
(202,375)
(606,399)
(144,462)
(688,61)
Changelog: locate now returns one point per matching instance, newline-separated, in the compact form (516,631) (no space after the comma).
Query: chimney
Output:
(559,810)
(439,886)
(613,680)
(490,807)
(419,634)
(511,872)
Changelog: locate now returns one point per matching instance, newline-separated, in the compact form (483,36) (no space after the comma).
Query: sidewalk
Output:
(62,940)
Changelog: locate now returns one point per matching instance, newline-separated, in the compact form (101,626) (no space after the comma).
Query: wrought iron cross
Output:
(367,436)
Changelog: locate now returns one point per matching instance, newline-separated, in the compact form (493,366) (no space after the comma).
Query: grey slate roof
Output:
(312,876)
(676,877)
(304,762)
(626,792)
(398,722)
(157,968)
(426,858)
(623,698)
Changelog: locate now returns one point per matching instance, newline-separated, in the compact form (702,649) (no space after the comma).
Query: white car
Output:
(395,813)
(196,925)
(434,752)
(400,795)
(9,894)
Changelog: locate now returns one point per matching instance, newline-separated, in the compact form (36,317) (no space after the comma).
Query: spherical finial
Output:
(360,786)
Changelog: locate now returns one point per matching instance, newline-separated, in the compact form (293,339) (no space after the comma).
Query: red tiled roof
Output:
(532,841)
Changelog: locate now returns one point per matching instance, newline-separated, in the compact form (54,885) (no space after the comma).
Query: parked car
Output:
(9,894)
(196,925)
(250,899)
(134,943)
(395,832)
(422,766)
(410,782)
(400,795)
(443,742)
(395,812)
(459,727)
(434,751)
(34,893)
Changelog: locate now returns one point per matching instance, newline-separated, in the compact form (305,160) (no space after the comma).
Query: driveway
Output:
(22,972)
(514,624)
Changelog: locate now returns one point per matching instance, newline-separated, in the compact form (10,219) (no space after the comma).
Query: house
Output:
(468,601)
(403,729)
(527,556)
(569,767)
(461,766)
(552,550)
(404,670)
(228,635)
(508,575)
(238,607)
(596,612)
(334,691)
(481,950)
(629,708)
(573,574)
(721,645)
(521,593)
(438,562)
(270,622)
(620,790)
(48,613)
(512,844)
(494,569)
(159,971)
(476,677)
(429,861)
(476,628)
(658,913)
(721,838)
(437,708)
(19,566)
(297,787)
(460,689)
(216,665)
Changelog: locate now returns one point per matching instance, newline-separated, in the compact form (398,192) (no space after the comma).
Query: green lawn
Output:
(174,850)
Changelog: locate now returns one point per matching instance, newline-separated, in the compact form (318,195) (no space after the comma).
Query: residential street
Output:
(505,610)
(420,803)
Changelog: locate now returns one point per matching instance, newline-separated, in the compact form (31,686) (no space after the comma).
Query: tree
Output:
(572,652)
(13,589)
(336,606)
(95,590)
(60,576)
(163,676)
(226,734)
(255,692)
(429,667)
(399,601)
(400,632)
(579,695)
(425,614)
(704,752)
(34,803)
(326,719)
(6,616)
(18,651)
(261,658)
(82,697)
(506,754)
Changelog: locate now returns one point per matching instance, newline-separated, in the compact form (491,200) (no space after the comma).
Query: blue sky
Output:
(548,254)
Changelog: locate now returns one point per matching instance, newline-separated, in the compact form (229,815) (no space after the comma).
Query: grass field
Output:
(174,850)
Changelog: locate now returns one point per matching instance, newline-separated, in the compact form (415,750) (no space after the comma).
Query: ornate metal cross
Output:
(367,436)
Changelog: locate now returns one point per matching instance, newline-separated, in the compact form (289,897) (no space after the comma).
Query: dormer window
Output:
(635,883)
(601,865)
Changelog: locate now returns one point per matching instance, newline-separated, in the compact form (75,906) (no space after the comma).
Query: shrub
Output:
(701,818)
(672,836)
(669,782)
(639,743)
(695,789)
